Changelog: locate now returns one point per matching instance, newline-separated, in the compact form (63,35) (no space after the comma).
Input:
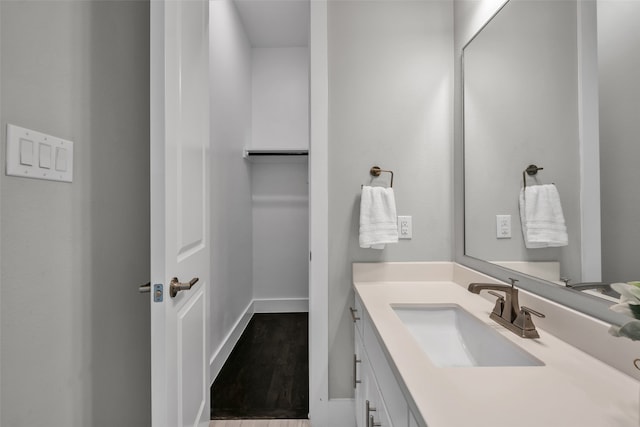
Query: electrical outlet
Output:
(405,228)
(503,226)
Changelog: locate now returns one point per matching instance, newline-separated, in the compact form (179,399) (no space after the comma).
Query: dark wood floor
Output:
(267,373)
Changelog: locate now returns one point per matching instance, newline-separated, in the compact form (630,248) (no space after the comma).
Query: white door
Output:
(180,243)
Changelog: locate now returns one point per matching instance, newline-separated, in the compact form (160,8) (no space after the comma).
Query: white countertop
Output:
(571,389)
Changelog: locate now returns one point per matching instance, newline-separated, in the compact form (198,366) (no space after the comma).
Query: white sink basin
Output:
(452,337)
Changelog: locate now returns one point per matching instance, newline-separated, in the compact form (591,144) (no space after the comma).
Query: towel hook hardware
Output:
(376,171)
(531,170)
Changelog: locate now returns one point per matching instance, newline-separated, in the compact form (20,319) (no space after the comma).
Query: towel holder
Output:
(531,170)
(376,171)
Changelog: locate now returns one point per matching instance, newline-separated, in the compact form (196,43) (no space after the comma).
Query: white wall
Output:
(280,98)
(390,92)
(231,218)
(520,108)
(75,331)
(619,60)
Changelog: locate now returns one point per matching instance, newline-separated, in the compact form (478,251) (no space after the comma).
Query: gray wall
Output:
(521,108)
(279,187)
(231,231)
(280,195)
(75,331)
(390,104)
(619,60)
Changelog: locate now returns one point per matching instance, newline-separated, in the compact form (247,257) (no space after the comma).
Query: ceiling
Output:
(275,23)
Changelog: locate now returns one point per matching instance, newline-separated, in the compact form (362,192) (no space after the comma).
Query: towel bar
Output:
(531,170)
(376,171)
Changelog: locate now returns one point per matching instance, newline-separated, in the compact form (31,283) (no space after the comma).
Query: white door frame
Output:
(318,216)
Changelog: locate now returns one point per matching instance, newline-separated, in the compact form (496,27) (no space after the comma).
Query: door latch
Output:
(157,292)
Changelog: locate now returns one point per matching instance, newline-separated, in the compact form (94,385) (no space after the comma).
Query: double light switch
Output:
(33,154)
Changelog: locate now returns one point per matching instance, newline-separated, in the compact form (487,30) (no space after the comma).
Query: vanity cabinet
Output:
(412,420)
(369,403)
(375,381)
(412,391)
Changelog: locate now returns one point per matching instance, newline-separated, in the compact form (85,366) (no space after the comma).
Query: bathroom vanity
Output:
(400,380)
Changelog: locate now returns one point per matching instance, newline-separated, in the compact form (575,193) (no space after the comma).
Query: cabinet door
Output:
(378,414)
(359,381)
(395,402)
(370,409)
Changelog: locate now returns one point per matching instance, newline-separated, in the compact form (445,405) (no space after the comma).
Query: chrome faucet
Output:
(507,310)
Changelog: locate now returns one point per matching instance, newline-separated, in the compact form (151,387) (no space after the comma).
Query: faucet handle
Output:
(495,294)
(524,323)
(525,310)
(499,307)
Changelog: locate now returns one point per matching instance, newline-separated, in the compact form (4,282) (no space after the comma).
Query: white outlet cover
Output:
(503,226)
(57,167)
(405,227)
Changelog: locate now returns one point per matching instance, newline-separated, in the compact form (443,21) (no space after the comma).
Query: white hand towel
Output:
(541,217)
(378,219)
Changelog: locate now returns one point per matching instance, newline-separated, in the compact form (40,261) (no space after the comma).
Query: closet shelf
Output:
(253,154)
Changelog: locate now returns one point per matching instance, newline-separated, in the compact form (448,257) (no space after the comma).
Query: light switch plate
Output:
(51,167)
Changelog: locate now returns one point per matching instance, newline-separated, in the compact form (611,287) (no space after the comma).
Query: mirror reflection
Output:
(521,108)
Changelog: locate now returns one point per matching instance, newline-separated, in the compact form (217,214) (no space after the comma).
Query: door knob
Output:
(175,286)
(144,288)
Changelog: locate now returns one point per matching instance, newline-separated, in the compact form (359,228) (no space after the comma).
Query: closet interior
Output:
(269,50)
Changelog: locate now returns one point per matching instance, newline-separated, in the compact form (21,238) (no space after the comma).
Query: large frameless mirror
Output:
(527,82)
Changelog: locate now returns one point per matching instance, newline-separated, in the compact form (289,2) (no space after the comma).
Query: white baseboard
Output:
(341,413)
(285,305)
(220,355)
